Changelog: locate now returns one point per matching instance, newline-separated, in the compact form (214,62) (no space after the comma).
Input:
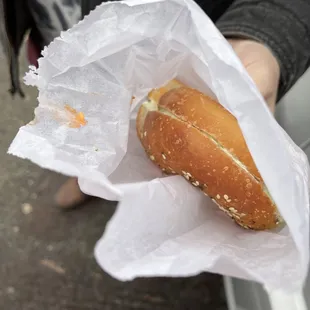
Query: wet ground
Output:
(46,254)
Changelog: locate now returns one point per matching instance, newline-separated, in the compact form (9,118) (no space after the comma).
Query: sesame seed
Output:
(187,175)
(196,183)
(218,196)
(145,133)
(226,197)
(233,210)
(152,157)
(223,209)
(164,157)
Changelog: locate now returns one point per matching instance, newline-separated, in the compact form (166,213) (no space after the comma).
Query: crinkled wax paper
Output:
(162,226)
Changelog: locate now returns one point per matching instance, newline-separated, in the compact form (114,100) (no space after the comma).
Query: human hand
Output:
(262,66)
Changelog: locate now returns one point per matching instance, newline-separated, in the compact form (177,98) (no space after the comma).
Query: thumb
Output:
(261,65)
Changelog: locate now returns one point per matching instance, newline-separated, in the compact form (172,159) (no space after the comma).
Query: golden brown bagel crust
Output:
(189,134)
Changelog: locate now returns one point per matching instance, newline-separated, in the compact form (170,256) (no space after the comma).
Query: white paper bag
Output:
(162,226)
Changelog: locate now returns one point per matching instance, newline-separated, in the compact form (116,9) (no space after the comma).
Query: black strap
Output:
(17,22)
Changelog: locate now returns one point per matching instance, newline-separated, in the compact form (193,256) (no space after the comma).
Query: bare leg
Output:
(69,195)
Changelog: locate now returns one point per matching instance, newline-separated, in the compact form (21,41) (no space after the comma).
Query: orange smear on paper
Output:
(77,119)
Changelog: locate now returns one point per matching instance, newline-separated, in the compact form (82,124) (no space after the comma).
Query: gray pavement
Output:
(46,254)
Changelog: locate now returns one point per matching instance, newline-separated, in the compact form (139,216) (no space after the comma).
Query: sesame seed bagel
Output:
(187,133)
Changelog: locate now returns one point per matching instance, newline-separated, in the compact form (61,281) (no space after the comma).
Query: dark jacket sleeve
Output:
(282,25)
(88,5)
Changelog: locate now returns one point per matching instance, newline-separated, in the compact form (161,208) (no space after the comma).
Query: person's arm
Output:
(88,5)
(281,25)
